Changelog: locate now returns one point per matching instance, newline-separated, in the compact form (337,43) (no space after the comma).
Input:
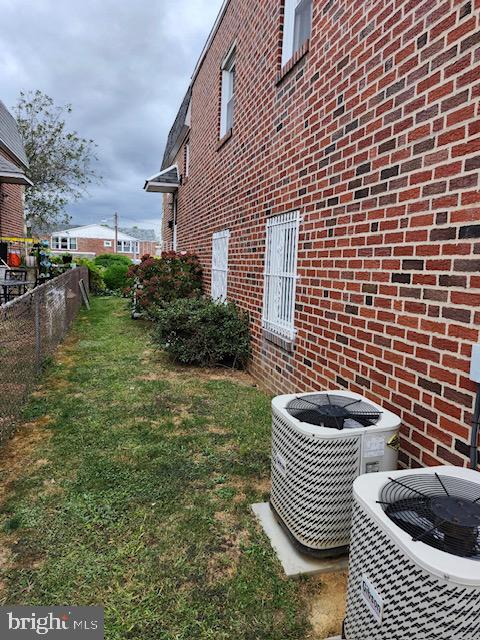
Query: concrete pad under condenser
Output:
(293,562)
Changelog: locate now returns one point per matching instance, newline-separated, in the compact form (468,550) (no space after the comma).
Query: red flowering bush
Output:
(157,281)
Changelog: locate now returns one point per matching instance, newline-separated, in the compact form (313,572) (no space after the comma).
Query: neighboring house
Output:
(94,239)
(324,165)
(13,179)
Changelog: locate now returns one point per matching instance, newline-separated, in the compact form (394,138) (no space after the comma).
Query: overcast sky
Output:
(124,65)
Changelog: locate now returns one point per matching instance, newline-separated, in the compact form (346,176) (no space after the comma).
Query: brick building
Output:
(95,239)
(13,165)
(324,165)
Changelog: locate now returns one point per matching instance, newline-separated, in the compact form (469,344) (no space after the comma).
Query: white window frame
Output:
(228,92)
(291,25)
(107,243)
(220,242)
(64,243)
(127,246)
(280,278)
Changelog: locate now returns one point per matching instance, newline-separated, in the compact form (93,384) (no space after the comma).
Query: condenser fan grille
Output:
(333,411)
(441,511)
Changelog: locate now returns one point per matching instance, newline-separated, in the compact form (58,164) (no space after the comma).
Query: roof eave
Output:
(13,155)
(178,145)
(15,178)
(160,187)
(210,38)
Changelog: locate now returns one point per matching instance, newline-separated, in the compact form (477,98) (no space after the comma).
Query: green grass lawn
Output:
(129,486)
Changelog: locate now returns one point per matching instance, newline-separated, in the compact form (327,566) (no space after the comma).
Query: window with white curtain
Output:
(228,93)
(220,265)
(297,26)
(281,274)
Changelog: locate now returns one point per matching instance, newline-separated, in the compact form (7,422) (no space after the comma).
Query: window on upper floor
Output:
(297,27)
(64,243)
(228,93)
(281,274)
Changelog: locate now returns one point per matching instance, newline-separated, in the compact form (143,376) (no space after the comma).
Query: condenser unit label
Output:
(373,600)
(374,447)
(280,464)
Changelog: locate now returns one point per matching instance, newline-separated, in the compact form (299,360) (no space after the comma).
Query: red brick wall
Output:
(167,219)
(375,136)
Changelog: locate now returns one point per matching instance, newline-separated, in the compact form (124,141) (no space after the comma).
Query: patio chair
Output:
(17,275)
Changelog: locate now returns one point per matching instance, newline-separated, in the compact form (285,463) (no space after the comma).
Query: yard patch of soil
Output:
(327,606)
(18,453)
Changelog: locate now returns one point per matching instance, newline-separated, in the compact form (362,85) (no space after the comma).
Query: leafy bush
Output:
(108,259)
(203,332)
(158,281)
(95,275)
(115,276)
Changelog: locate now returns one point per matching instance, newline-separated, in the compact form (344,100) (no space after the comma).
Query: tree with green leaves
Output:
(62,163)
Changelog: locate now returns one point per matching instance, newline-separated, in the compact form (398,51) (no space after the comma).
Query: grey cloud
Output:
(124,66)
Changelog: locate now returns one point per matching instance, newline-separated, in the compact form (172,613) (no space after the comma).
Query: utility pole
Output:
(115,217)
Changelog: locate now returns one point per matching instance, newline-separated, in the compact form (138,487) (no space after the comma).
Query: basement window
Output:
(228,93)
(281,274)
(297,27)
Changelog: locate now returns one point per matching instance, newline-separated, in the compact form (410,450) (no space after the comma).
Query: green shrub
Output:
(158,281)
(115,276)
(108,259)
(95,275)
(203,332)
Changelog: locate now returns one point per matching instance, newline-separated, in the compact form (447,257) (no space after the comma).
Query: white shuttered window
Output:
(220,265)
(281,274)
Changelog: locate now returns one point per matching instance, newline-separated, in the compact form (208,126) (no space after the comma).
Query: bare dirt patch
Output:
(15,456)
(226,518)
(59,384)
(174,371)
(223,563)
(263,485)
(234,375)
(18,453)
(151,377)
(327,605)
(51,488)
(220,431)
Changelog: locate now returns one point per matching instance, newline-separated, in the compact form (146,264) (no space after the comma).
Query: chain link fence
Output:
(31,327)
